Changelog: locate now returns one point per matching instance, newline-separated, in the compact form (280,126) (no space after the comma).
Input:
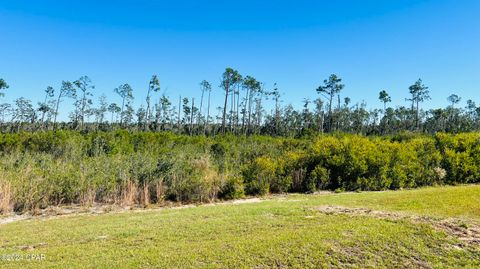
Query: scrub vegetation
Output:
(47,168)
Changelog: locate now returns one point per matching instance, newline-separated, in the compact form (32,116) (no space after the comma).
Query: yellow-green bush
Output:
(460,156)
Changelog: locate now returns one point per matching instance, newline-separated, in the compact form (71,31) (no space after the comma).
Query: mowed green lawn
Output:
(281,232)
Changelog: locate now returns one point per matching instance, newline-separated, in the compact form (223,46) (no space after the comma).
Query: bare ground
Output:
(95,209)
(467,232)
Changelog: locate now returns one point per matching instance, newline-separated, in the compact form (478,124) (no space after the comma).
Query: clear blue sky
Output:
(372,45)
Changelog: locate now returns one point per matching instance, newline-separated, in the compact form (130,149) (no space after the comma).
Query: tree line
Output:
(242,111)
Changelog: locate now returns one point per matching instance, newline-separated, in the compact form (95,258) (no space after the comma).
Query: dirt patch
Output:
(97,209)
(32,247)
(245,201)
(13,218)
(467,233)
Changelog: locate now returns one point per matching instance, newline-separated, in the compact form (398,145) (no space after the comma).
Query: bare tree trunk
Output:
(147,113)
(200,111)
(179,113)
(330,120)
(43,112)
(338,125)
(416,118)
(82,112)
(259,123)
(249,112)
(56,111)
(277,115)
(232,101)
(322,121)
(225,107)
(208,113)
(121,112)
(237,118)
(244,130)
(191,116)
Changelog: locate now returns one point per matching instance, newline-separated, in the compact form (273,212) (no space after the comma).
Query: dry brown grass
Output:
(88,198)
(160,191)
(6,196)
(467,233)
(129,194)
(208,190)
(145,195)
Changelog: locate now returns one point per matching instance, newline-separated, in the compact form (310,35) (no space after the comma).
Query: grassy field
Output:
(285,231)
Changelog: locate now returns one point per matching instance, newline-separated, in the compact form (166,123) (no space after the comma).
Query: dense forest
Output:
(242,111)
(112,153)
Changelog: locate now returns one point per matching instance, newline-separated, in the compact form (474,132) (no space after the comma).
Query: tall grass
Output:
(6,195)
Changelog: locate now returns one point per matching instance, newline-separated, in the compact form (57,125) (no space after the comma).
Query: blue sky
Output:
(371,44)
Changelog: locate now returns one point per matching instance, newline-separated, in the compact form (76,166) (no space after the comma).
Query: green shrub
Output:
(320,179)
(232,189)
(258,176)
(460,156)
